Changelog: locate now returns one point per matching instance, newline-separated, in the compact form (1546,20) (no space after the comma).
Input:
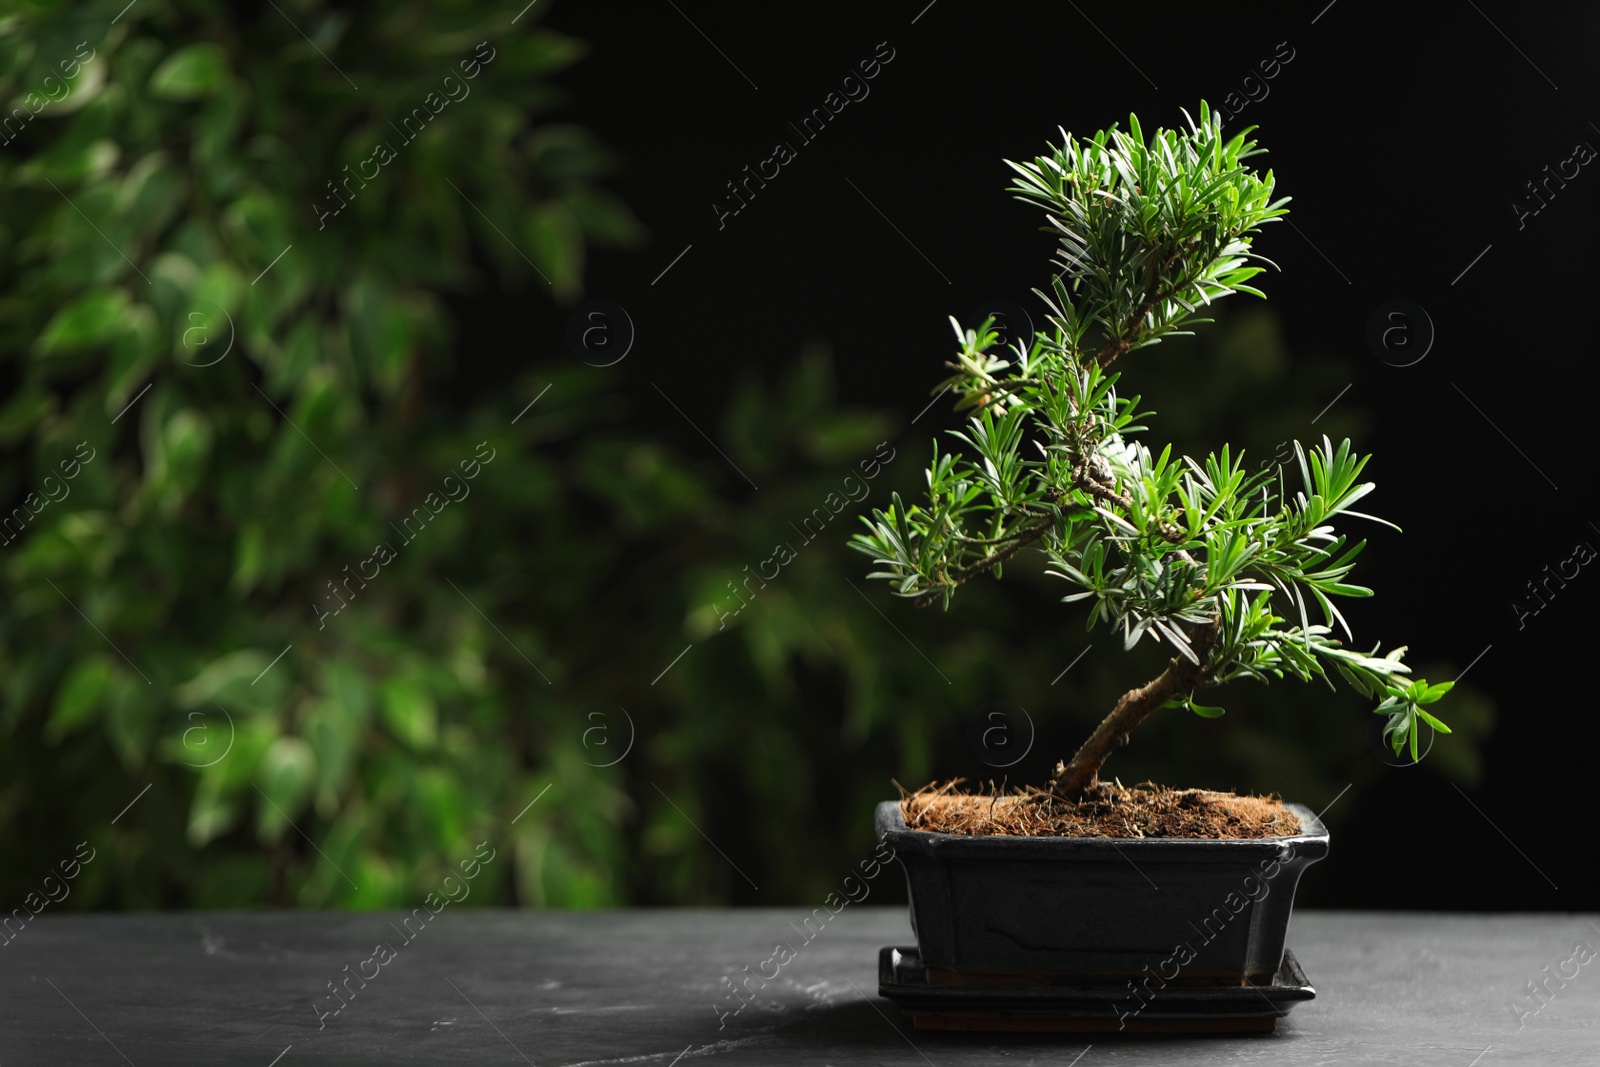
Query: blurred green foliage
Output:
(142,615)
(169,251)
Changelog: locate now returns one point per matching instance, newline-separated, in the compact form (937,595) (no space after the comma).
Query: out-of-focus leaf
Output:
(409,711)
(81,697)
(284,777)
(231,679)
(189,73)
(90,320)
(556,245)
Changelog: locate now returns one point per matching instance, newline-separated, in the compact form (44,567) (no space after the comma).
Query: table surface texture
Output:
(650,987)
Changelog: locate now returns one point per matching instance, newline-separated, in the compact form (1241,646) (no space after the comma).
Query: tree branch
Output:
(1023,539)
(1120,345)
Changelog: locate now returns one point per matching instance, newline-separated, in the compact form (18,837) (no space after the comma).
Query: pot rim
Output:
(1311,842)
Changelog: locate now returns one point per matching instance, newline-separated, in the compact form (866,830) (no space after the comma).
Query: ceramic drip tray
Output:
(1174,1009)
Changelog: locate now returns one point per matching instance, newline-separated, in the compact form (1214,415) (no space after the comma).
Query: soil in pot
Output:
(1113,810)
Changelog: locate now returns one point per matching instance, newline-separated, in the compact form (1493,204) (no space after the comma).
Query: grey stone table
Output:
(646,987)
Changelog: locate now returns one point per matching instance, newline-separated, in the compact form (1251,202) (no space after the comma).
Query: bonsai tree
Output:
(1236,571)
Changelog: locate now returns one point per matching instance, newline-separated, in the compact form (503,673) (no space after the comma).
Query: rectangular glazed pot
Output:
(1090,911)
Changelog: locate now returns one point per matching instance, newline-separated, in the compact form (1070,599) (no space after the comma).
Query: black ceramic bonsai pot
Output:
(1091,911)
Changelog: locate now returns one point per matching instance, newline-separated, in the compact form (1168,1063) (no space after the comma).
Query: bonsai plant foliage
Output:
(1236,569)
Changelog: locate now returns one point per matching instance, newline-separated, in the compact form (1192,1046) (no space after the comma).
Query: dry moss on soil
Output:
(1112,810)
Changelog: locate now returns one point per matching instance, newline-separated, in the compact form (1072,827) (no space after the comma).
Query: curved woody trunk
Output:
(1080,775)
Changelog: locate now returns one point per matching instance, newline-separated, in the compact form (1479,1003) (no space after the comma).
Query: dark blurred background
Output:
(564,614)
